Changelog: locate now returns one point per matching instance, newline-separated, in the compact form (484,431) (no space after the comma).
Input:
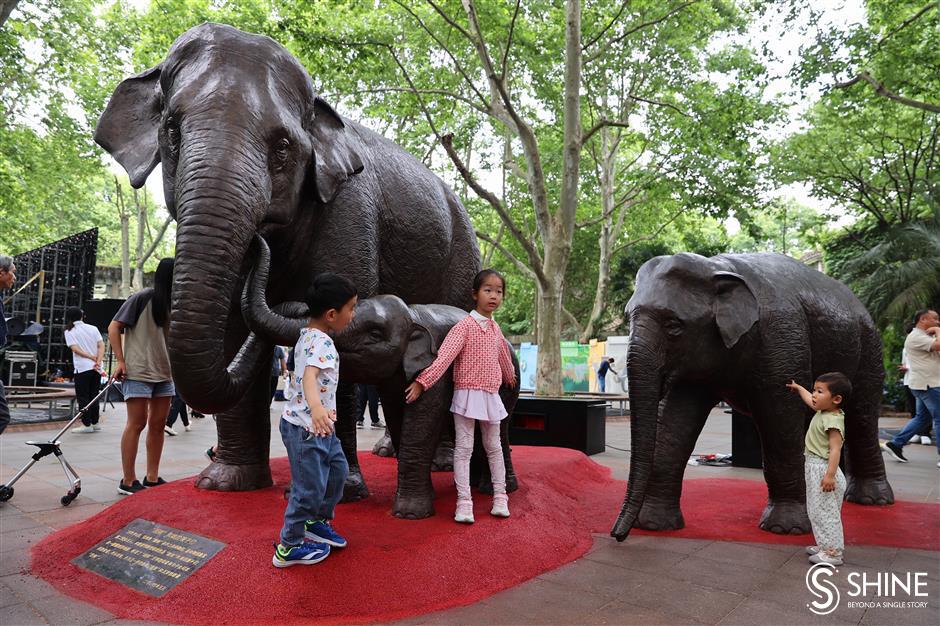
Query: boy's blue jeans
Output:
(318,470)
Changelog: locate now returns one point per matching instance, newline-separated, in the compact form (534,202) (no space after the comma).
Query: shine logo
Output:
(820,584)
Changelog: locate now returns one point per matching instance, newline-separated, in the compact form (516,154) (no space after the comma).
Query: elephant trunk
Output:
(281,326)
(212,355)
(644,365)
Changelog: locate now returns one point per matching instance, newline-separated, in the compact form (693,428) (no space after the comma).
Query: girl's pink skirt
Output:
(478,404)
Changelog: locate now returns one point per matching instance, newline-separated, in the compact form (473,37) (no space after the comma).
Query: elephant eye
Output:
(282,149)
(173,134)
(673,327)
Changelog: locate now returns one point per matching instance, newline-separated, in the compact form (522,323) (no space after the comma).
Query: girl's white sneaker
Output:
(464,514)
(500,506)
(812,549)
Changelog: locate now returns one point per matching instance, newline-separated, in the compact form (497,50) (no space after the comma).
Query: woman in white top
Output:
(87,352)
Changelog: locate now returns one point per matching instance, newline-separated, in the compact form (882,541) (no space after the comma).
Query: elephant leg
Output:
(420,433)
(781,429)
(384,446)
(347,404)
(443,460)
(684,414)
(244,442)
(864,464)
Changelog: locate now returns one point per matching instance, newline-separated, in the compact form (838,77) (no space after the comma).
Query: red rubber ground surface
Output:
(394,568)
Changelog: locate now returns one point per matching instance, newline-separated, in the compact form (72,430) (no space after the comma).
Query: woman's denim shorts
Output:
(140,389)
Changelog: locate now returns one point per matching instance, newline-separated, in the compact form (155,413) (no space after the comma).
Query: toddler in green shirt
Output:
(825,482)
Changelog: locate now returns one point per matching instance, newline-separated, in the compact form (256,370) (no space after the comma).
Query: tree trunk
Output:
(605,240)
(125,241)
(138,279)
(6,7)
(548,337)
(558,242)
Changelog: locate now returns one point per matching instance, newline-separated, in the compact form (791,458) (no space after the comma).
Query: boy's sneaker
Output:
(169,431)
(925,440)
(129,490)
(894,451)
(187,427)
(378,424)
(96,427)
(822,557)
(812,550)
(307,553)
(84,429)
(360,425)
(159,481)
(320,530)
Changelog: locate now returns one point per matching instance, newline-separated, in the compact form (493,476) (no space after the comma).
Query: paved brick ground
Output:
(645,580)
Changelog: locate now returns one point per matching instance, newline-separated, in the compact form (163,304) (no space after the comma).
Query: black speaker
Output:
(99,313)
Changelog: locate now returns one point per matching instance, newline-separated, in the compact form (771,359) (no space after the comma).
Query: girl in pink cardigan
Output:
(481,362)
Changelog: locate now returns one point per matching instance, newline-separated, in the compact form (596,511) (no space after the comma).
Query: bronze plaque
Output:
(149,557)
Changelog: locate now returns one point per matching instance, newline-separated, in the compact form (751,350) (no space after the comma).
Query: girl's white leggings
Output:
(463,448)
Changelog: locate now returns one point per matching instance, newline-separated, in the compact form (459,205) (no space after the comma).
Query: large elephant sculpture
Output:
(248,148)
(738,328)
(388,344)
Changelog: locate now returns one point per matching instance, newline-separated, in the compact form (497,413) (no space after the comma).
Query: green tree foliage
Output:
(58,64)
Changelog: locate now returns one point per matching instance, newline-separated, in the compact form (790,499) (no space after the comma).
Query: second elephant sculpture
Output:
(388,344)
(738,328)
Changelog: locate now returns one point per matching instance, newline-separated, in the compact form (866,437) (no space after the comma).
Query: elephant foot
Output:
(785,518)
(443,460)
(413,506)
(355,488)
(659,516)
(384,446)
(220,476)
(869,491)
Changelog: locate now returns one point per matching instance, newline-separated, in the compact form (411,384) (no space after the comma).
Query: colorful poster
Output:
(574,366)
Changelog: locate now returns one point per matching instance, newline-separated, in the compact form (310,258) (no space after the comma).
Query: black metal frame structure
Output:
(67,268)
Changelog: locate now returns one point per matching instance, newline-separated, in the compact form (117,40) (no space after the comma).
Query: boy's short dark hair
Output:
(838,384)
(328,291)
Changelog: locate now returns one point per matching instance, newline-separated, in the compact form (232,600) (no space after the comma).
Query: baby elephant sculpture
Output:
(737,328)
(387,344)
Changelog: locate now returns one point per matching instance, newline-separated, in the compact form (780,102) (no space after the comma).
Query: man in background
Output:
(7,278)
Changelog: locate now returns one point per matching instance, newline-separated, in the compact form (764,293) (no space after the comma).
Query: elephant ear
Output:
(736,308)
(335,154)
(128,128)
(420,352)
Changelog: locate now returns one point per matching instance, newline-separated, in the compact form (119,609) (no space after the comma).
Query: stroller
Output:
(52,447)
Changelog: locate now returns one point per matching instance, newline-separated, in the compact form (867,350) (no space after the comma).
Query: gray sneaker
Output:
(84,429)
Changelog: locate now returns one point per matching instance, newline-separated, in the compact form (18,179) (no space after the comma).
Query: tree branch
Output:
(512,28)
(658,103)
(156,240)
(535,259)
(638,28)
(602,124)
(522,267)
(881,90)
(906,23)
(436,92)
(446,50)
(652,235)
(596,38)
